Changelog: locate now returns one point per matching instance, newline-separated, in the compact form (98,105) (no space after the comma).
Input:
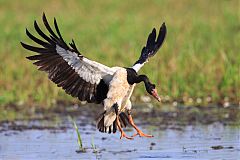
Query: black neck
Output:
(133,77)
(142,78)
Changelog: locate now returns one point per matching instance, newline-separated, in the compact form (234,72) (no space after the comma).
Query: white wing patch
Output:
(90,71)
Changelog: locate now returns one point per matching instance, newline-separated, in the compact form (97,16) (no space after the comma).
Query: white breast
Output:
(126,98)
(118,89)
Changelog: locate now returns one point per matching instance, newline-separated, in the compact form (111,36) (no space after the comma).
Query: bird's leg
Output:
(139,132)
(123,134)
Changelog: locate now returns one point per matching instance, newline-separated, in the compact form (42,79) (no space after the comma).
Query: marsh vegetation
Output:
(198,64)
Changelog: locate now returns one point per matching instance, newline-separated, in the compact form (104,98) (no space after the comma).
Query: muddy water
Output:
(56,139)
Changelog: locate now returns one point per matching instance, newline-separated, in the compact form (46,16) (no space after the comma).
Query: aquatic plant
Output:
(93,146)
(79,139)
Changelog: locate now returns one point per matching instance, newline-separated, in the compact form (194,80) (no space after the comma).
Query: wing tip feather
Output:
(163,28)
(23,45)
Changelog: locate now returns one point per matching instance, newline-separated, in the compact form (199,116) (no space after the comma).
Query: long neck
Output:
(142,78)
(138,79)
(133,77)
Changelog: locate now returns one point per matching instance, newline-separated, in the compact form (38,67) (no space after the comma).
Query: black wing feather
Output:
(35,49)
(48,27)
(58,32)
(35,39)
(59,71)
(39,31)
(153,44)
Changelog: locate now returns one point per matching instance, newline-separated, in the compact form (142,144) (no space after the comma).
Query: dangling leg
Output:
(123,134)
(139,132)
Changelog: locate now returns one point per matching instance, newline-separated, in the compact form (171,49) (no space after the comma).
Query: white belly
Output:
(119,90)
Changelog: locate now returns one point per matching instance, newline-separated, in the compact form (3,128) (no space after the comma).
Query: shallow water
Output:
(59,141)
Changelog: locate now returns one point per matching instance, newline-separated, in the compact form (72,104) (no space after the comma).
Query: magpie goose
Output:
(91,81)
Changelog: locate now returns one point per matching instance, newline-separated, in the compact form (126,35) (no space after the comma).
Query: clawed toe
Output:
(141,134)
(125,136)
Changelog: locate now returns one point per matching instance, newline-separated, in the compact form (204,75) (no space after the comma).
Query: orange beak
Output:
(155,95)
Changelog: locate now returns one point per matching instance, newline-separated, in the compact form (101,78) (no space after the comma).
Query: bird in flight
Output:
(91,81)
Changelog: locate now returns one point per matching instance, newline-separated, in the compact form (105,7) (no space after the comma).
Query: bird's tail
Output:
(107,122)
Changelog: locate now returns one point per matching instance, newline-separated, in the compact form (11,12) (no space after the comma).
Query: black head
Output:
(151,89)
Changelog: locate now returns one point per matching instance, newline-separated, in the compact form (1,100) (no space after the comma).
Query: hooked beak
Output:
(155,95)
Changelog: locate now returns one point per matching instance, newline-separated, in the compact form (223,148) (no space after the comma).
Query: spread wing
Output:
(153,44)
(67,67)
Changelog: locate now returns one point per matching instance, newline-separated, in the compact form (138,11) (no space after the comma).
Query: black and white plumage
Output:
(89,80)
(151,47)
(77,75)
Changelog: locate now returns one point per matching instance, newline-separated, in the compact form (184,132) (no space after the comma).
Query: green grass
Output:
(79,139)
(199,58)
(94,148)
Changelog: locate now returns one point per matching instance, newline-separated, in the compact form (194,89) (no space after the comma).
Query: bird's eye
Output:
(154,86)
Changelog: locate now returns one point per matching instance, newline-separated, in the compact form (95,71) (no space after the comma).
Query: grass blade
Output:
(78,135)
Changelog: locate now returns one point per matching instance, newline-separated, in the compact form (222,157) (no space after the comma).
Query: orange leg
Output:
(123,134)
(139,132)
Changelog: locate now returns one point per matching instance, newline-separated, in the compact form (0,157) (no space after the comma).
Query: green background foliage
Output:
(199,58)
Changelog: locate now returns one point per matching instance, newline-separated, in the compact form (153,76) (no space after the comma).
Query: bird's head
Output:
(151,89)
